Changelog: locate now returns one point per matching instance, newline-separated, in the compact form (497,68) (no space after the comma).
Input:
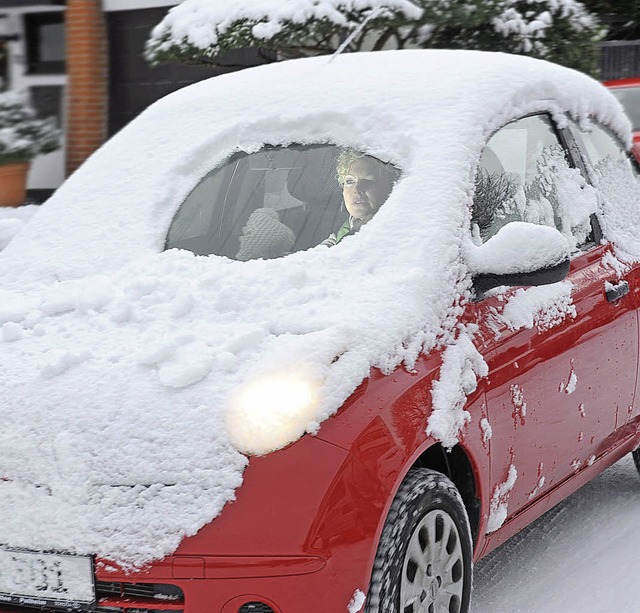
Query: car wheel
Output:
(424,558)
(636,458)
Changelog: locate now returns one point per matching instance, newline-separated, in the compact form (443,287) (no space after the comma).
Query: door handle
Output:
(617,291)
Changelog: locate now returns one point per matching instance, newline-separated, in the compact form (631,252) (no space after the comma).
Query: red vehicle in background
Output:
(627,91)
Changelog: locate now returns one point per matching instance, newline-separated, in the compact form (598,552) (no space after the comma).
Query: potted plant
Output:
(23,136)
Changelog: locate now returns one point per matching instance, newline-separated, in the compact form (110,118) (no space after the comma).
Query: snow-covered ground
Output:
(582,556)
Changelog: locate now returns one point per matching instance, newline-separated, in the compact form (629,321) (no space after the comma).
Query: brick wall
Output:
(87,80)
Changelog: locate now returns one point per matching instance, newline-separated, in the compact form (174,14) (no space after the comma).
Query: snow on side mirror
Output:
(519,254)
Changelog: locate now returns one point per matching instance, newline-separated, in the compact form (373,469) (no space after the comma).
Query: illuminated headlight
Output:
(271,412)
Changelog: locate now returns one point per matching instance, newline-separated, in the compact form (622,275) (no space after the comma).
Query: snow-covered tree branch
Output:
(203,30)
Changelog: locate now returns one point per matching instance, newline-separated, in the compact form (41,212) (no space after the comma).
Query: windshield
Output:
(281,200)
(629,98)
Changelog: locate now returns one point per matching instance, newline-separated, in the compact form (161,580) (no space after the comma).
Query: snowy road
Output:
(583,556)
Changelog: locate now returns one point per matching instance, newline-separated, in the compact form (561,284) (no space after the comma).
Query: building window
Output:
(48,102)
(45,42)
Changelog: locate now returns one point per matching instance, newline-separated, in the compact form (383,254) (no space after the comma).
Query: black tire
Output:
(410,570)
(636,458)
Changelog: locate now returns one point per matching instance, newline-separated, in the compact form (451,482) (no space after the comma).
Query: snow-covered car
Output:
(627,91)
(318,335)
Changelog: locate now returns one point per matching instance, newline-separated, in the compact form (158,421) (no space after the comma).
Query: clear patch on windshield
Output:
(280,200)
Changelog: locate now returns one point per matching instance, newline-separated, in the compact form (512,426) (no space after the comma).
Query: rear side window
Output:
(280,200)
(525,174)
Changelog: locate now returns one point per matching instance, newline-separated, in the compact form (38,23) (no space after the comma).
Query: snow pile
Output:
(357,602)
(12,220)
(500,501)
(462,365)
(516,248)
(134,371)
(487,431)
(611,261)
(544,307)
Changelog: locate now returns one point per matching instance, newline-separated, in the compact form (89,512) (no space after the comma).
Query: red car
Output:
(627,91)
(317,336)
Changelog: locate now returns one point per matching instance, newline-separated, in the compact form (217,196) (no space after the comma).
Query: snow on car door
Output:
(561,357)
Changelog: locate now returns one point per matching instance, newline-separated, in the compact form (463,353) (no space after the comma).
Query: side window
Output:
(605,150)
(524,174)
(614,173)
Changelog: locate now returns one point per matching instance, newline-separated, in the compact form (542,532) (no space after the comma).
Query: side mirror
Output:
(519,254)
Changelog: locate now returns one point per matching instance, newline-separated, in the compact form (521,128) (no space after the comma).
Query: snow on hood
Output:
(126,372)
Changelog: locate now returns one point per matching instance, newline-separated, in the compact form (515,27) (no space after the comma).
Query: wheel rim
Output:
(433,567)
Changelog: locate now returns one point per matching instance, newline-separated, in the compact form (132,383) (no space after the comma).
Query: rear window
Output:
(280,200)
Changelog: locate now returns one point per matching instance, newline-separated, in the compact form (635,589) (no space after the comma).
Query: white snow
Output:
(487,431)
(12,220)
(357,602)
(571,384)
(125,363)
(462,364)
(544,307)
(500,501)
(519,405)
(517,243)
(611,261)
(538,487)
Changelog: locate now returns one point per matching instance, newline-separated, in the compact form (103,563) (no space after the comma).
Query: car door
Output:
(562,357)
(616,173)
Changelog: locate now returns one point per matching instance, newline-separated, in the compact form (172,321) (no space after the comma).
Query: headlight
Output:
(271,412)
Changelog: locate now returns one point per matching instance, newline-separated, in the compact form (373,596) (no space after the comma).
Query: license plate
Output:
(34,579)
